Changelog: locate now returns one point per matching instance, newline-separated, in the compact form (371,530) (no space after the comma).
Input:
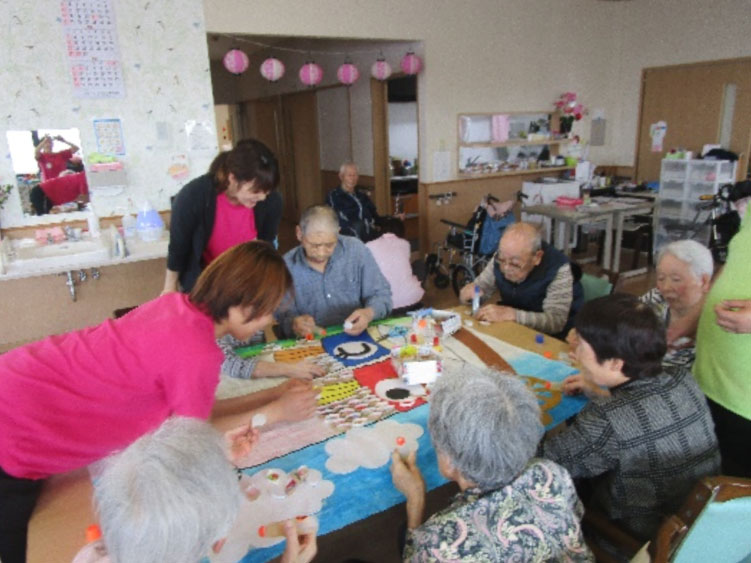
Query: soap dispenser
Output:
(93,221)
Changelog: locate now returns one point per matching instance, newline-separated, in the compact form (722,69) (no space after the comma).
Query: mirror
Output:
(48,166)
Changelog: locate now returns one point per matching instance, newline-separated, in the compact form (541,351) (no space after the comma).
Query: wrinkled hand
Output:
(297,401)
(496,313)
(299,549)
(240,442)
(577,383)
(468,292)
(303,325)
(304,370)
(359,318)
(734,315)
(406,476)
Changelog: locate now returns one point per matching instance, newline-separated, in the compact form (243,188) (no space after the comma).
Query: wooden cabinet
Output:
(509,143)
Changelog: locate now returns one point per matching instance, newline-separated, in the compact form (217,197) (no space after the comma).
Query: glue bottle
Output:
(476,301)
(304,525)
(94,551)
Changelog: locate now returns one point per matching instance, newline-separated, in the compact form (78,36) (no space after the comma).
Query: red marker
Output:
(304,525)
(548,354)
(309,336)
(400,441)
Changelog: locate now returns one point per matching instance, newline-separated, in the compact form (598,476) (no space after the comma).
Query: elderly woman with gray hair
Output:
(172,497)
(485,428)
(684,274)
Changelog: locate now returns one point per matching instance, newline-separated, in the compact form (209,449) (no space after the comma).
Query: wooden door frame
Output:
(380,116)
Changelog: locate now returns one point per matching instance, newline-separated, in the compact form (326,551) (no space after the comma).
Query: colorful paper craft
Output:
(353,350)
(298,354)
(382,380)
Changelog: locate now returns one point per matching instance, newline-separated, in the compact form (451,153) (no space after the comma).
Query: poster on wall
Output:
(93,52)
(109,136)
(657,132)
(200,136)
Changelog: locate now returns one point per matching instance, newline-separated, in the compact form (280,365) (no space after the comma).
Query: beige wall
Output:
(509,55)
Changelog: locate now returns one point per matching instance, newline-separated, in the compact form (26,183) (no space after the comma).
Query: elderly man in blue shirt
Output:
(337,280)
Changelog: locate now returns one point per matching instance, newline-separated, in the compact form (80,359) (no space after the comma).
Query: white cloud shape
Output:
(371,447)
(272,501)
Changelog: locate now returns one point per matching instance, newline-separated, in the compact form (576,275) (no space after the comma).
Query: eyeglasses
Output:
(509,264)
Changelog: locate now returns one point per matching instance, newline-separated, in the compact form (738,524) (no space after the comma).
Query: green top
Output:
(722,358)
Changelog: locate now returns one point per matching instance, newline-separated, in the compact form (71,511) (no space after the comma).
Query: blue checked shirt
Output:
(351,280)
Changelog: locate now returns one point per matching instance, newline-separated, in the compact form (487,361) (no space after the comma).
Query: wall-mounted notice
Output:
(93,52)
(109,136)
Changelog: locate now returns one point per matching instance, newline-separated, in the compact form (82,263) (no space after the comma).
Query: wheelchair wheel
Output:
(441,281)
(460,277)
(431,263)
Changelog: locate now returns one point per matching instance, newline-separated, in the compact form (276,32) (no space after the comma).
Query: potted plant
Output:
(570,110)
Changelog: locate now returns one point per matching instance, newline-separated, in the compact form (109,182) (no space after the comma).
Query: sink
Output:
(27,254)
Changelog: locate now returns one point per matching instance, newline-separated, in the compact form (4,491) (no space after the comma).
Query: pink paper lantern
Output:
(311,74)
(381,70)
(348,74)
(236,61)
(411,63)
(272,69)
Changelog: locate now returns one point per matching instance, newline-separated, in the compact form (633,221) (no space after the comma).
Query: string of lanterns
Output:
(311,73)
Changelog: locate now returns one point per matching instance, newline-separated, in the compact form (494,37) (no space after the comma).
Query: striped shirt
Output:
(555,306)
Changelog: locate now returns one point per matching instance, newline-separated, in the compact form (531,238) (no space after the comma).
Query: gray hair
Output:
(348,164)
(168,496)
(486,422)
(529,231)
(695,255)
(322,217)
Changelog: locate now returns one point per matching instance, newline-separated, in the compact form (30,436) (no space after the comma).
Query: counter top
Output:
(138,251)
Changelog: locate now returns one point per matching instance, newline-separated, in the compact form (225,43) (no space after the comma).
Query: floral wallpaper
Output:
(167,84)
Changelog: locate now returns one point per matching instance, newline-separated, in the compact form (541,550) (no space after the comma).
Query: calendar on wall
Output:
(92,46)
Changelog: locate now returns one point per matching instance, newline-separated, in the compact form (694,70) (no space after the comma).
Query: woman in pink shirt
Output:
(74,398)
(391,252)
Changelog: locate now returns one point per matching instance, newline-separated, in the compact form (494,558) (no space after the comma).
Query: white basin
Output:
(27,254)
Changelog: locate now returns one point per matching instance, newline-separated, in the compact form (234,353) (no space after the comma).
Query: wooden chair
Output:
(712,525)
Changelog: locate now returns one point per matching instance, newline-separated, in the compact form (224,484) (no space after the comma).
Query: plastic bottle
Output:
(149,224)
(129,222)
(476,301)
(93,221)
(94,551)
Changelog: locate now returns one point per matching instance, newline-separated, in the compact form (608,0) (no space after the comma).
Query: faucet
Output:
(71,283)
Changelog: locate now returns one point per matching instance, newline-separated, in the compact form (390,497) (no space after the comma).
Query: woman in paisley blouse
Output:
(684,272)
(485,427)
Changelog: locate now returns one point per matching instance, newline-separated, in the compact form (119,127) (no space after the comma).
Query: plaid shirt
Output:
(647,444)
(351,280)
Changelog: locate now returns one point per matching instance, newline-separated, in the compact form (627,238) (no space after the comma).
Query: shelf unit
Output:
(681,184)
(490,141)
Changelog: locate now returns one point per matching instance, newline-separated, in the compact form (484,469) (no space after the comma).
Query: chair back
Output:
(595,287)
(712,525)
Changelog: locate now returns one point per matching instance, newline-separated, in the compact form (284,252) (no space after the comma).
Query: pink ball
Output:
(311,74)
(411,63)
(380,70)
(348,74)
(272,69)
(236,61)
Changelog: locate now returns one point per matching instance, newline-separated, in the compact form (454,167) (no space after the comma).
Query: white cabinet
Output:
(682,182)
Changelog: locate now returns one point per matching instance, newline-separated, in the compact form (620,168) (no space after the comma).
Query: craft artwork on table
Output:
(271,496)
(353,350)
(371,447)
(382,380)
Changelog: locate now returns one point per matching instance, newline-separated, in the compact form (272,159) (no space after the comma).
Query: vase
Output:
(566,122)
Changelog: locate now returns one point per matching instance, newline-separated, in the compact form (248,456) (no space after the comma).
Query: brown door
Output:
(301,148)
(690,99)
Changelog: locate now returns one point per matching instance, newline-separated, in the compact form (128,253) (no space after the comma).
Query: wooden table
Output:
(64,510)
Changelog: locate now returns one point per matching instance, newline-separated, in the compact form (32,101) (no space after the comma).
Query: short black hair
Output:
(392,225)
(619,326)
